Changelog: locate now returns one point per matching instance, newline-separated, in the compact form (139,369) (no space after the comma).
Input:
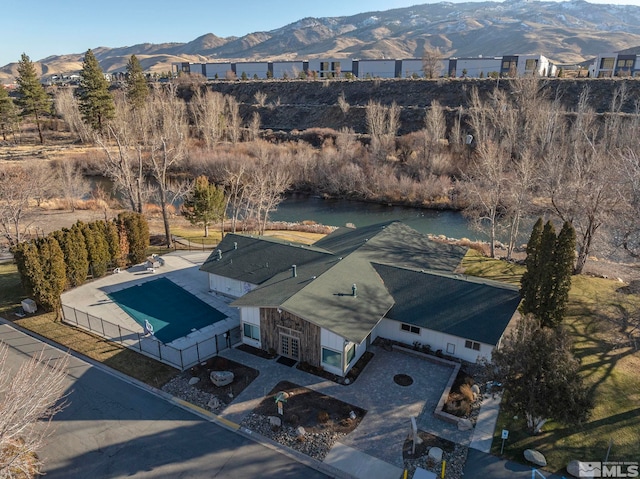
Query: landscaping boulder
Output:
(435,455)
(300,432)
(214,403)
(464,424)
(194,380)
(221,378)
(475,389)
(535,457)
(275,423)
(573,468)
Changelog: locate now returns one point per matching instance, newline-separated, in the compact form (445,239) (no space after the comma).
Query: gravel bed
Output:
(180,387)
(315,445)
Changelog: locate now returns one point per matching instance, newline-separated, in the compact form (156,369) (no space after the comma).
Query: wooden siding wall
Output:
(272,323)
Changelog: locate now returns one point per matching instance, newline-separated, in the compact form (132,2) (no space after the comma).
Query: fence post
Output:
(181,361)
(139,342)
(198,352)
(159,350)
(102,324)
(217,347)
(75,315)
(120,333)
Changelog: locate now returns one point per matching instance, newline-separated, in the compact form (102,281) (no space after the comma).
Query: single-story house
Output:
(325,303)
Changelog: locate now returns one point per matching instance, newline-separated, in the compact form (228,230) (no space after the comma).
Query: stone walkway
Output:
(383,430)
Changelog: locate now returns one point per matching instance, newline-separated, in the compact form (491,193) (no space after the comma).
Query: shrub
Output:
(323,417)
(466,392)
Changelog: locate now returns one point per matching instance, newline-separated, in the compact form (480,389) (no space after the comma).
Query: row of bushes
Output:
(65,258)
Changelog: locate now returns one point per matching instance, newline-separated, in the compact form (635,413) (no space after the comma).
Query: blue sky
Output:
(41,28)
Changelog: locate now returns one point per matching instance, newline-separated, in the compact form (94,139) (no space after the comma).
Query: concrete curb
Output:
(197,410)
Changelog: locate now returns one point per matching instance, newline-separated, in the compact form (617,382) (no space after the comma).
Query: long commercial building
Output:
(474,67)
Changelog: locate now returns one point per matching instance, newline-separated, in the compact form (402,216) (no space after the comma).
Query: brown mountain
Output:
(567,32)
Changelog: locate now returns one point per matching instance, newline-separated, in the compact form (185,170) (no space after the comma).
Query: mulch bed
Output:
(243,376)
(314,411)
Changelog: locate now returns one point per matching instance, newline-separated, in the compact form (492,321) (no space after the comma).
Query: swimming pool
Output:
(172,312)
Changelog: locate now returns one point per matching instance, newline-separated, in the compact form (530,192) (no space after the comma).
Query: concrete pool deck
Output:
(181,267)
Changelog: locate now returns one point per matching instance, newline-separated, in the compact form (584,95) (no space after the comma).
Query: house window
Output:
(332,358)
(472,345)
(409,328)
(531,64)
(251,331)
(607,63)
(351,353)
(451,348)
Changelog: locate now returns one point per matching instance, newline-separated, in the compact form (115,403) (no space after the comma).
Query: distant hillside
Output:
(567,32)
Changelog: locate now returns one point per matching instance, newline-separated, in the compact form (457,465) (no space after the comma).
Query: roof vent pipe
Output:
(294,271)
(354,290)
(235,245)
(219,254)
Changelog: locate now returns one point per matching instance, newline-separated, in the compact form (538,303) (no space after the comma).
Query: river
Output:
(332,212)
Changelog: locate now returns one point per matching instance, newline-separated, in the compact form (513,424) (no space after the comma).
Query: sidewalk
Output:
(486,423)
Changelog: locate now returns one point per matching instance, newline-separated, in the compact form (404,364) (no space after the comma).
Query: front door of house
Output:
(289,346)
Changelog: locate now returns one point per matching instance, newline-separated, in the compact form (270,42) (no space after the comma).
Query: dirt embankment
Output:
(300,105)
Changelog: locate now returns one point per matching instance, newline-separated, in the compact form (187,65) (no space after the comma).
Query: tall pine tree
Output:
(8,115)
(96,103)
(563,262)
(137,89)
(530,281)
(33,100)
(545,284)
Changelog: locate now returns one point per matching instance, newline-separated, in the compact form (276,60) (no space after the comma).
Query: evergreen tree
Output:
(33,99)
(27,259)
(563,264)
(137,233)
(110,231)
(54,276)
(544,307)
(545,284)
(136,83)
(73,247)
(530,281)
(205,204)
(541,376)
(97,249)
(8,114)
(96,103)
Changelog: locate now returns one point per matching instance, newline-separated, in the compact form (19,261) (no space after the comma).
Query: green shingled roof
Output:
(455,304)
(384,262)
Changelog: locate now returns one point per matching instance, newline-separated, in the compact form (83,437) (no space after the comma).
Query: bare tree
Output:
(486,189)
(31,396)
(234,122)
(166,145)
(66,105)
(72,182)
(123,162)
(582,181)
(431,61)
(208,111)
(383,123)
(16,191)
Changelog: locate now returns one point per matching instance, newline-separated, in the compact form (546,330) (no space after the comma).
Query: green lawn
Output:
(10,289)
(611,371)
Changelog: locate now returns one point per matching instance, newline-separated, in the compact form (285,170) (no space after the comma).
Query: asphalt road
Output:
(114,429)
